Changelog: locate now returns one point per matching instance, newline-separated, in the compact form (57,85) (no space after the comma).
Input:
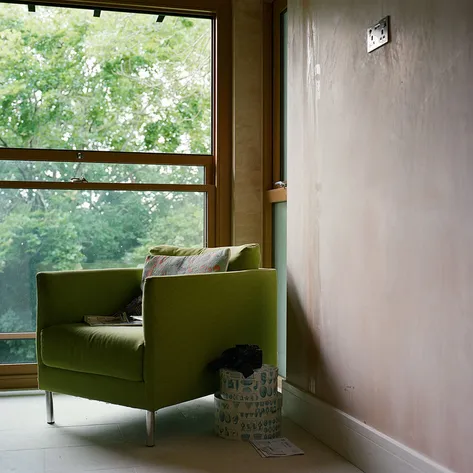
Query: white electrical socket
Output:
(378,35)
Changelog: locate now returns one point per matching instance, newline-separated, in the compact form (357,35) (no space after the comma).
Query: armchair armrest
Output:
(66,296)
(190,319)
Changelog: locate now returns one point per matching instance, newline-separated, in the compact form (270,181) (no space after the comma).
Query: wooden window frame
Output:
(218,164)
(272,121)
(279,7)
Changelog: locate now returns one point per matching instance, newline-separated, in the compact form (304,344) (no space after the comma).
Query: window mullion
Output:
(21,154)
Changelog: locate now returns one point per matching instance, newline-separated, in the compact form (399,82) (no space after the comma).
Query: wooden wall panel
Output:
(248,103)
(380,258)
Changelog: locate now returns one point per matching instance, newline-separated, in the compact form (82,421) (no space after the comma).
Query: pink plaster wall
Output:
(380,218)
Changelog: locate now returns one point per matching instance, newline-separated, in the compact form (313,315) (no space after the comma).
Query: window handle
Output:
(79,180)
(280,184)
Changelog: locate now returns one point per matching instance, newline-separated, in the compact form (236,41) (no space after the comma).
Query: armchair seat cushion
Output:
(109,351)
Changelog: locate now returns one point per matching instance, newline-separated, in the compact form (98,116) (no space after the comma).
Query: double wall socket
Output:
(378,35)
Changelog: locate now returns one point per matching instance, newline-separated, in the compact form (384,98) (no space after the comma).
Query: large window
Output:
(108,145)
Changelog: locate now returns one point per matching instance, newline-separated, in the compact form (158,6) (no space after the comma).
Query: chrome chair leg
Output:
(150,422)
(49,407)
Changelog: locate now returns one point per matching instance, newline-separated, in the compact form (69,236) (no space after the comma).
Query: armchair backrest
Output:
(242,257)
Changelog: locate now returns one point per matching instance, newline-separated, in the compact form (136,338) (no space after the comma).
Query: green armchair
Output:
(188,320)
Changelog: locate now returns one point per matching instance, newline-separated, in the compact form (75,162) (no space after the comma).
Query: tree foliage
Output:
(121,82)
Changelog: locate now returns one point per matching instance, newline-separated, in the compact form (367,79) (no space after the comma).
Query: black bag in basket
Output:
(242,358)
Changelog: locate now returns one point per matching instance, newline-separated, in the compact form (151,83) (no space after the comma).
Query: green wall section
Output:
(280,263)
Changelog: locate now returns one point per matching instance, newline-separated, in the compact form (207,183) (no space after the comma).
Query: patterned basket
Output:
(261,385)
(254,420)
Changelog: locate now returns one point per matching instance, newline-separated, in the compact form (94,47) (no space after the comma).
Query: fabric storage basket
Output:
(261,385)
(248,420)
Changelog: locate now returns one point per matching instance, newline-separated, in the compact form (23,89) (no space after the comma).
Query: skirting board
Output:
(366,448)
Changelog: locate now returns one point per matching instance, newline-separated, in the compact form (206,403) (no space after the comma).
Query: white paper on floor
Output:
(280,447)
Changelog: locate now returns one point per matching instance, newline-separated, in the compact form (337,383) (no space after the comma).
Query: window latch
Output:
(79,180)
(280,185)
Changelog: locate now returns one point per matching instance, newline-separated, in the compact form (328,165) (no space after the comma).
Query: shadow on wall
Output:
(307,366)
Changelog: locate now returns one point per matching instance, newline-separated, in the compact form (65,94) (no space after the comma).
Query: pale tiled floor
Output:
(93,436)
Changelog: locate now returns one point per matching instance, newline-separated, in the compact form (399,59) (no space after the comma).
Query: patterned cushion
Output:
(132,308)
(215,262)
(241,257)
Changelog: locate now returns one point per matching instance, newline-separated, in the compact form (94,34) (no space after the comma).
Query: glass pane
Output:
(280,263)
(119,82)
(46,230)
(17,351)
(99,172)
(283,110)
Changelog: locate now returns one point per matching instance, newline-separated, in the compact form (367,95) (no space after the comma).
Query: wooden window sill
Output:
(277,195)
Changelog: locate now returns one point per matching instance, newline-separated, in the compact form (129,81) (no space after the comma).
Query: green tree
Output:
(120,82)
